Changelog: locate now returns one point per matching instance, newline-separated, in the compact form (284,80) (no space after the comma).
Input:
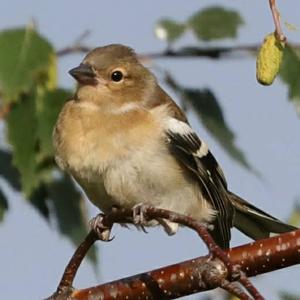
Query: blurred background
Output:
(252,130)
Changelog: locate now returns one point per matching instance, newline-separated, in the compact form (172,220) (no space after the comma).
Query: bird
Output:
(126,142)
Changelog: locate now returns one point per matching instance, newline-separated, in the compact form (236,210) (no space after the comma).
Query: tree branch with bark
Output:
(220,268)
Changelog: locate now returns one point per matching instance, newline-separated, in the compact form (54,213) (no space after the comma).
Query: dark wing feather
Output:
(185,146)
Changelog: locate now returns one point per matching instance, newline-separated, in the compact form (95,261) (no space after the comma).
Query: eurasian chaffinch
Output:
(126,142)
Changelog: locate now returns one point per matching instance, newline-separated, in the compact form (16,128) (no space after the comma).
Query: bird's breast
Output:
(88,141)
(124,160)
(109,155)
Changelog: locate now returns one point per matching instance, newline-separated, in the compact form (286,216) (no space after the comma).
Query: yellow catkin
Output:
(269,59)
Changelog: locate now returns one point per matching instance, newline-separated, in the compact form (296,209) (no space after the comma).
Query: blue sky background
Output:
(33,255)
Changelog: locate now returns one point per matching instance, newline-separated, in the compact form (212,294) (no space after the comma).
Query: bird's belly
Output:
(148,177)
(96,192)
(155,178)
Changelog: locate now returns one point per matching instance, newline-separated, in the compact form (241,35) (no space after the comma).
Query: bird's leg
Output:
(102,231)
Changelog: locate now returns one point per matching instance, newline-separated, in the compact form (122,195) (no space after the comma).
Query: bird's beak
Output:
(84,74)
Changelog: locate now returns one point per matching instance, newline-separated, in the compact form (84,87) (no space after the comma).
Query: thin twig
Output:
(76,46)
(65,286)
(234,289)
(184,52)
(276,17)
(250,287)
(192,51)
(82,37)
(73,49)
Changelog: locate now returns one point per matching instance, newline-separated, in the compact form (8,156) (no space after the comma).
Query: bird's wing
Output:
(196,158)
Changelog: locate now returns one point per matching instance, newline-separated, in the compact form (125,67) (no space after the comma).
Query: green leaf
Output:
(290,74)
(8,171)
(289,296)
(25,60)
(215,23)
(169,30)
(210,114)
(30,124)
(60,200)
(3,205)
(68,207)
(38,200)
(21,125)
(48,106)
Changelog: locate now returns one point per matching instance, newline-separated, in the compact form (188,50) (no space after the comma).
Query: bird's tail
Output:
(254,222)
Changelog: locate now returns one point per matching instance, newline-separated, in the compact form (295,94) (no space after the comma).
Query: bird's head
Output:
(111,76)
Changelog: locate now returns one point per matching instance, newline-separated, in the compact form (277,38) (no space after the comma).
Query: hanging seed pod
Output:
(269,59)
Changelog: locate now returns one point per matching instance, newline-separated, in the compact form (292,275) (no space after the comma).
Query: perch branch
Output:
(190,276)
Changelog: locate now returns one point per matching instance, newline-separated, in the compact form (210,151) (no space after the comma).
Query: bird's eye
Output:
(116,76)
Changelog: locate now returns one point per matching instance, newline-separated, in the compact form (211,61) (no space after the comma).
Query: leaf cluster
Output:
(28,87)
(211,23)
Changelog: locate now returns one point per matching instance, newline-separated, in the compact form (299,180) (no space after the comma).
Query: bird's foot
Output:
(102,231)
(138,216)
(209,227)
(170,227)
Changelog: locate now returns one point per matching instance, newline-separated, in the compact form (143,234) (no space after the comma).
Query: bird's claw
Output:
(209,227)
(138,216)
(102,231)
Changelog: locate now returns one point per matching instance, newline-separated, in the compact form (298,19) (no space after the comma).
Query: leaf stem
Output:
(276,17)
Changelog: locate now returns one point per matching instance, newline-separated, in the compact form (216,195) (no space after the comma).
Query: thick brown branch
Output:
(189,277)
